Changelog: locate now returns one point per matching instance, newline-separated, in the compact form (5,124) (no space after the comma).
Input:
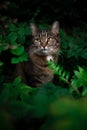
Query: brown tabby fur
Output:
(45,46)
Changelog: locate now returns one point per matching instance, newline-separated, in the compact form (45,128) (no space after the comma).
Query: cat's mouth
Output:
(44,51)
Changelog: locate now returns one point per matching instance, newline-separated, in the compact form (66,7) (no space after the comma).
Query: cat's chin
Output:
(44,53)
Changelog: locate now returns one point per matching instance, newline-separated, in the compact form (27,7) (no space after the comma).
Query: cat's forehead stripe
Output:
(43,33)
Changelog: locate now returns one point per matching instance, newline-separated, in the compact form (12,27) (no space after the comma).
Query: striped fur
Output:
(45,46)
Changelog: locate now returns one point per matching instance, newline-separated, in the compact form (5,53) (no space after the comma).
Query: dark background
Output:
(69,12)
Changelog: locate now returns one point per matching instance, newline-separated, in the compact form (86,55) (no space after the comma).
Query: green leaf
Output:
(25,89)
(17,80)
(76,83)
(67,76)
(12,27)
(21,31)
(64,73)
(84,54)
(18,51)
(84,93)
(81,74)
(1,63)
(23,57)
(60,71)
(12,37)
(15,60)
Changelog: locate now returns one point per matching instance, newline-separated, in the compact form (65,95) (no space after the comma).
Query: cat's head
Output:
(46,42)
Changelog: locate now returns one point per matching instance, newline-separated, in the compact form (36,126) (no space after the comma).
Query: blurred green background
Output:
(55,106)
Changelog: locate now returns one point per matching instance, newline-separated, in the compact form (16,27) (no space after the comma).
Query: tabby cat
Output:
(45,47)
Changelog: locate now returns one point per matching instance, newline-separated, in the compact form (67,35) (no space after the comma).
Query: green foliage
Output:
(66,114)
(58,70)
(13,39)
(74,43)
(1,63)
(15,97)
(59,104)
(79,79)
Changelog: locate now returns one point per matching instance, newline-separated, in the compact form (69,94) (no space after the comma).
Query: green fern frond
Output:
(79,79)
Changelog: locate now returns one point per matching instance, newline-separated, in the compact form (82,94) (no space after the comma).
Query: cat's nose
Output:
(44,47)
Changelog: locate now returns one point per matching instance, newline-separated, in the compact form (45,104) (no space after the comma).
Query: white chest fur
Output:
(49,58)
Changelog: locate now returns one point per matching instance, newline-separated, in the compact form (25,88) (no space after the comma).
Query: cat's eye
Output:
(50,39)
(37,42)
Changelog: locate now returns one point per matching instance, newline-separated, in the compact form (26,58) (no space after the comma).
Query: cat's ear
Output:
(55,28)
(33,29)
